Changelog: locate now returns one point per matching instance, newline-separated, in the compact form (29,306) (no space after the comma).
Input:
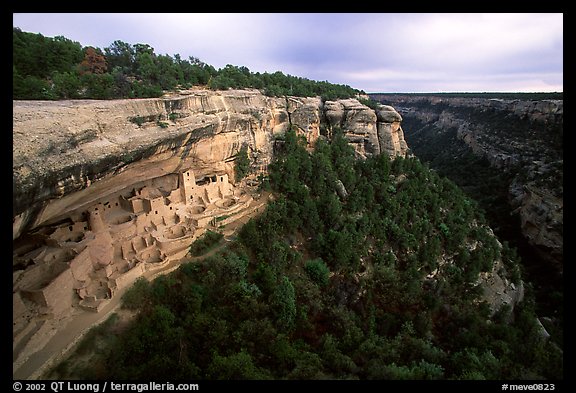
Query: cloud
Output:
(455,41)
(461,52)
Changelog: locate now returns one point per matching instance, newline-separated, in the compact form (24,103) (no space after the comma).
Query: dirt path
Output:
(78,325)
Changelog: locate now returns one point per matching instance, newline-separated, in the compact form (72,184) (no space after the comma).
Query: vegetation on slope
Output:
(328,286)
(241,164)
(529,142)
(45,68)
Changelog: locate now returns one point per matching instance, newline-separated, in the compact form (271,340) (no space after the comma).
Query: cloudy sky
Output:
(373,52)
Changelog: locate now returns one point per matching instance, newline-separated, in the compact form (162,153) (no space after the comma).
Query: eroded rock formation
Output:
(390,134)
(370,132)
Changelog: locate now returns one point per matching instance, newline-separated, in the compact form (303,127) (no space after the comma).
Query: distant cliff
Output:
(522,138)
(68,154)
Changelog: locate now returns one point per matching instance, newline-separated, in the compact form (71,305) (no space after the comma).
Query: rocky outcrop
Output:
(369,132)
(358,123)
(541,218)
(498,290)
(305,114)
(69,154)
(390,134)
(521,137)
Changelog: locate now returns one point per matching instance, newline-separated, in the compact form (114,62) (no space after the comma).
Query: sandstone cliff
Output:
(368,131)
(69,154)
(105,192)
(521,137)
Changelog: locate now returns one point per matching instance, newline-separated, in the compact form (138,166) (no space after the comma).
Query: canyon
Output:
(106,192)
(507,154)
(522,139)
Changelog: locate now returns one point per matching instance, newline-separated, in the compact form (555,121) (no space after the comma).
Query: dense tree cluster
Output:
(379,282)
(47,68)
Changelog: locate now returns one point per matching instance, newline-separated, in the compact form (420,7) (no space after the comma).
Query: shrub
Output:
(318,271)
(369,103)
(205,243)
(138,120)
(137,295)
(242,162)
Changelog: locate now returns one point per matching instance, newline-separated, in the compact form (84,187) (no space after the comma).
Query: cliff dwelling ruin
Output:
(86,259)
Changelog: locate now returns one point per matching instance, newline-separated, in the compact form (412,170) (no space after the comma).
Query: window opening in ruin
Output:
(155,211)
(70,227)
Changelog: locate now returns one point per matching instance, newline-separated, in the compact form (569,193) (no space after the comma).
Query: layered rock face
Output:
(68,154)
(370,132)
(522,137)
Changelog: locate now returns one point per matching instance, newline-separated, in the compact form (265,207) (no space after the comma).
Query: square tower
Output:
(186,183)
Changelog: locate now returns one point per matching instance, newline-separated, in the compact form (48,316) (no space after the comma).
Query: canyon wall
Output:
(523,138)
(69,154)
